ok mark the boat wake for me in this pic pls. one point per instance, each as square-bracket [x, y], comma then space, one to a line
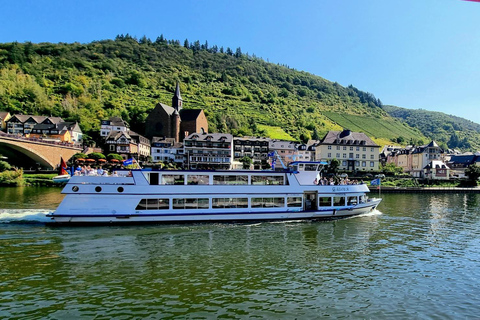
[24, 216]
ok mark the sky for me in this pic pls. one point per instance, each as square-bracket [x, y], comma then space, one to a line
[418, 54]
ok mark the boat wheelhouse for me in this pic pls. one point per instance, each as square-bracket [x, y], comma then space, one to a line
[194, 196]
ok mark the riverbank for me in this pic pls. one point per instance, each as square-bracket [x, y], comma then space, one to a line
[424, 190]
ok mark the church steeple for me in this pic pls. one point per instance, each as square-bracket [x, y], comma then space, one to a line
[177, 99]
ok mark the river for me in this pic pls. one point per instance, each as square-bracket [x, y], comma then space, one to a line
[415, 258]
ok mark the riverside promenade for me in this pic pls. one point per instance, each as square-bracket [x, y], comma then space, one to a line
[375, 189]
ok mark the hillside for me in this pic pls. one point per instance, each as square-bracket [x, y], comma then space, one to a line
[446, 129]
[240, 93]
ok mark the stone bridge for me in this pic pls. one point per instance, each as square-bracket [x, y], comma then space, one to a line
[47, 154]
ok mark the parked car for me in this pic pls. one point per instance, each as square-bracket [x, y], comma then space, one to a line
[381, 175]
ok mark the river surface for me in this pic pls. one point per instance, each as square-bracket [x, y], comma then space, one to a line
[416, 258]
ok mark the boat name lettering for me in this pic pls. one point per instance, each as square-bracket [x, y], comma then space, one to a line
[339, 189]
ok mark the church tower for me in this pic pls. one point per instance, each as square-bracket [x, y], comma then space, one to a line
[177, 99]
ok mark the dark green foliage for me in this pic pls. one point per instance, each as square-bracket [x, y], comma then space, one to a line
[246, 162]
[96, 156]
[4, 166]
[473, 173]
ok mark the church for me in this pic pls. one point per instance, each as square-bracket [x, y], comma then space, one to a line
[175, 122]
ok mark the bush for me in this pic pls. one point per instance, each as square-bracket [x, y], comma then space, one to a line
[4, 166]
[11, 178]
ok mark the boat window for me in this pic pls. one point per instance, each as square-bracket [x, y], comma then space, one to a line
[232, 180]
[268, 202]
[351, 201]
[173, 179]
[229, 203]
[267, 180]
[338, 201]
[311, 167]
[294, 201]
[363, 199]
[153, 204]
[197, 179]
[325, 201]
[191, 203]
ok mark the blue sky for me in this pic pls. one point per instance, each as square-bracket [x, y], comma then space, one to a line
[409, 53]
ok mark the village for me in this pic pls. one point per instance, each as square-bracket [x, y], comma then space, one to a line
[180, 138]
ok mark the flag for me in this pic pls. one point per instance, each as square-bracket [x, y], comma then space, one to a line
[128, 162]
[273, 163]
[376, 182]
[63, 167]
[271, 154]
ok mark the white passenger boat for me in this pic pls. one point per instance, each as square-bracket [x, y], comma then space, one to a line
[194, 196]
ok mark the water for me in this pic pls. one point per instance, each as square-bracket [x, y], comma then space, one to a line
[416, 258]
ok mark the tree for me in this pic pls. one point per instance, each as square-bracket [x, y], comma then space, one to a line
[473, 173]
[96, 156]
[4, 166]
[186, 44]
[333, 166]
[115, 156]
[246, 162]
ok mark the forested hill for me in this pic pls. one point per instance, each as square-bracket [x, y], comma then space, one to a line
[455, 131]
[240, 93]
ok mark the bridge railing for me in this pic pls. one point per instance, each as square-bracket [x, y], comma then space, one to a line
[58, 143]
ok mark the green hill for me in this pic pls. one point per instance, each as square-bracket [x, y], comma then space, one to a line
[446, 129]
[240, 93]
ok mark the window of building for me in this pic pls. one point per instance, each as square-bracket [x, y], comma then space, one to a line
[344, 148]
[364, 156]
[329, 147]
[372, 163]
[344, 155]
[357, 156]
[372, 156]
[364, 163]
[329, 155]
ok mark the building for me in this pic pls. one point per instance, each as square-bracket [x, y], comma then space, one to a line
[175, 122]
[21, 124]
[436, 170]
[306, 151]
[286, 150]
[112, 124]
[68, 132]
[167, 150]
[143, 146]
[4, 117]
[414, 159]
[355, 150]
[459, 162]
[254, 148]
[122, 143]
[209, 151]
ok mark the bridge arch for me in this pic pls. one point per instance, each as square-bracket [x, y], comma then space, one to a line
[46, 154]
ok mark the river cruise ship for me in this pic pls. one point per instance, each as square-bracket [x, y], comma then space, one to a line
[145, 196]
